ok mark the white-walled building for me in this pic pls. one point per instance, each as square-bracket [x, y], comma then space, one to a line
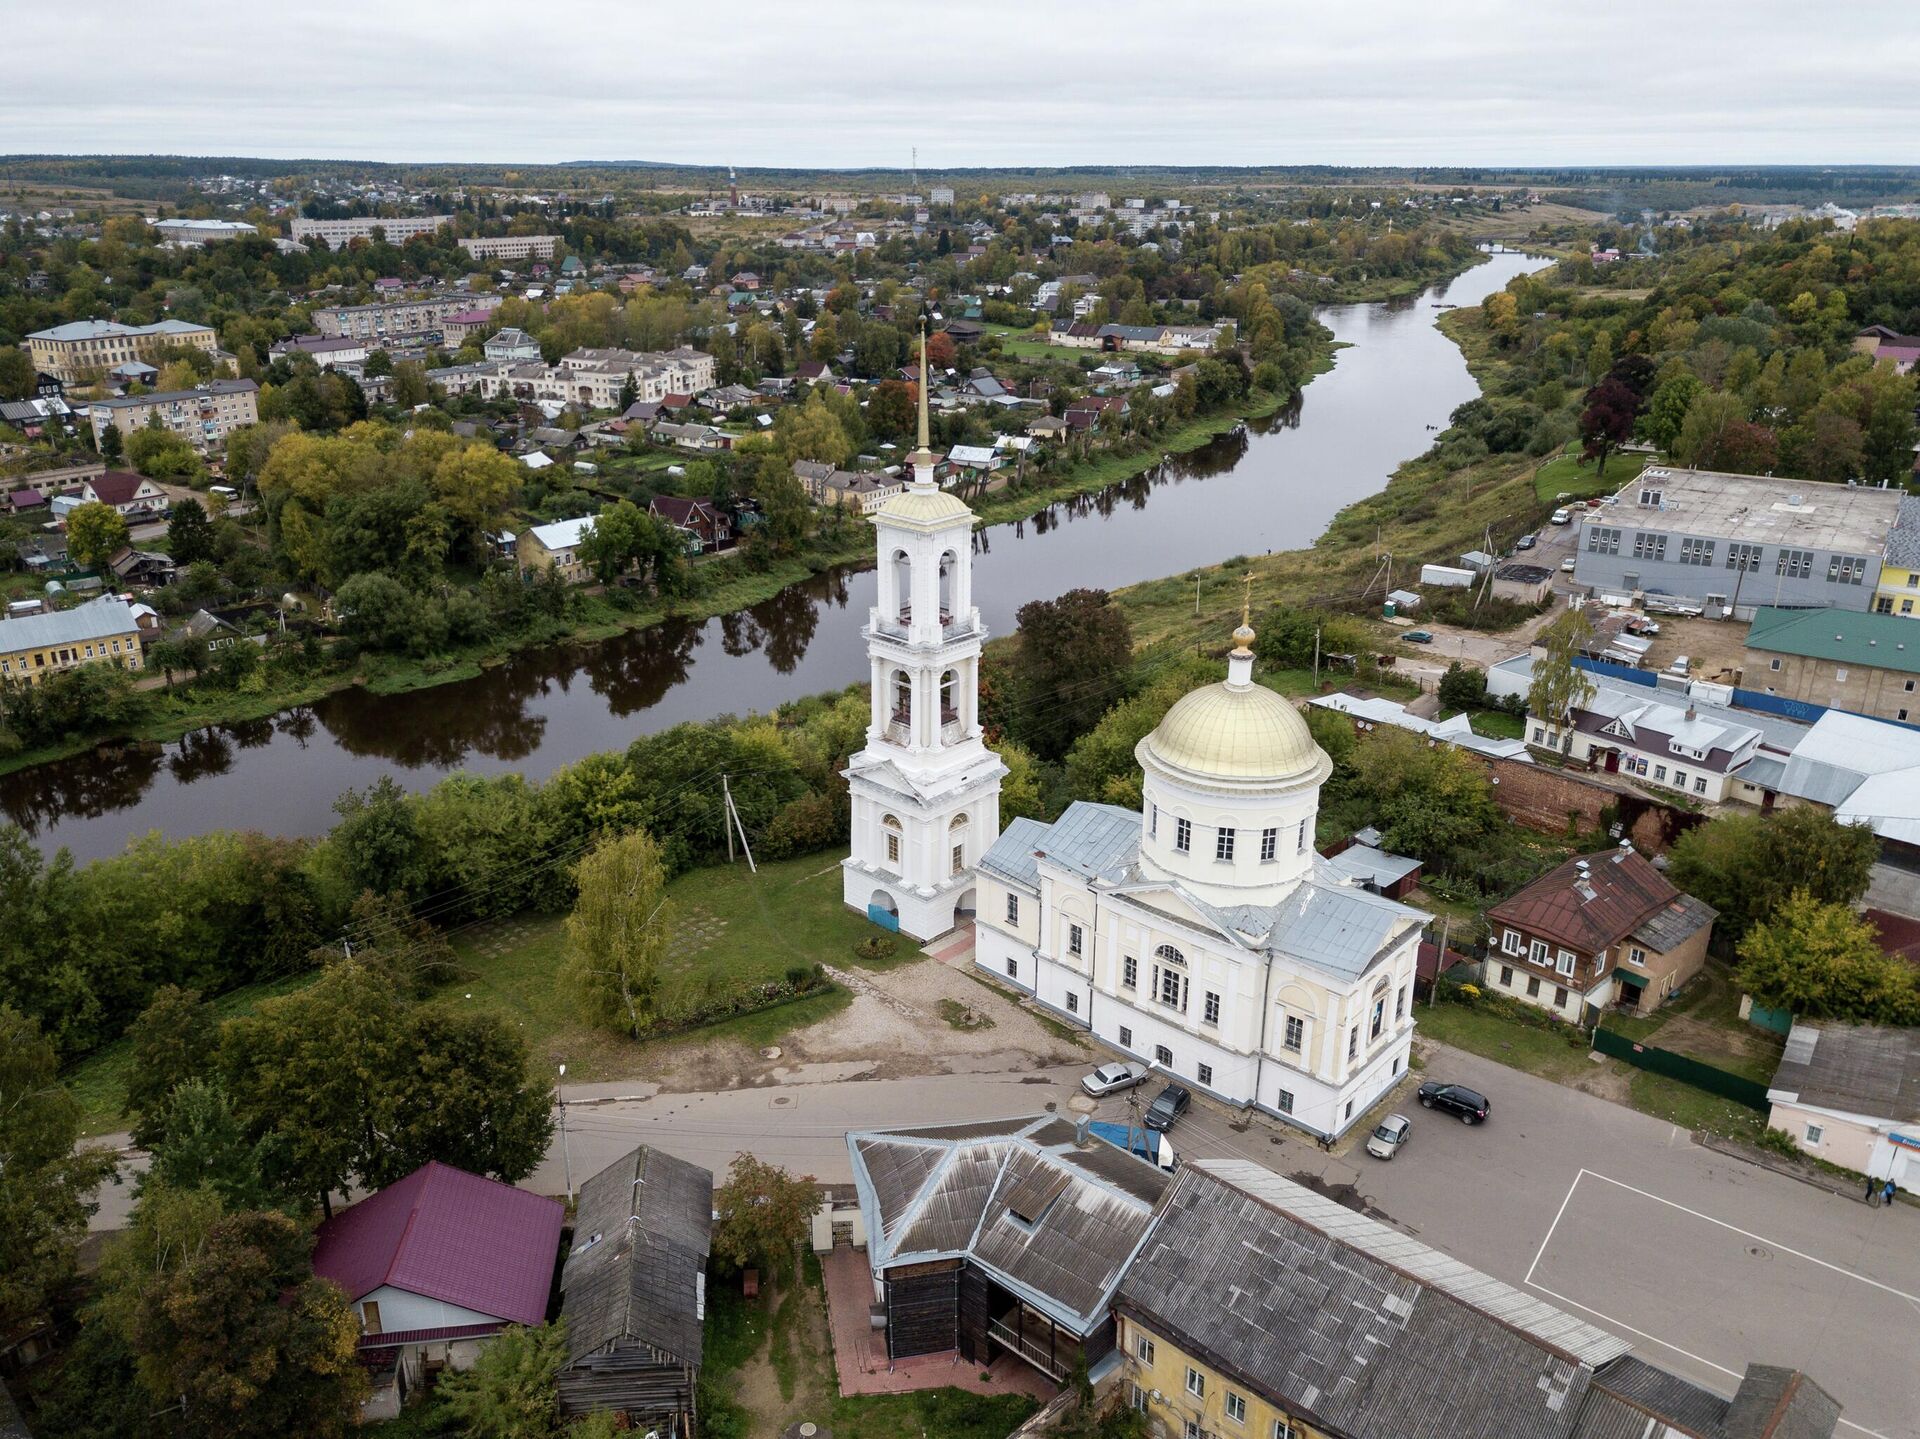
[925, 788]
[1205, 935]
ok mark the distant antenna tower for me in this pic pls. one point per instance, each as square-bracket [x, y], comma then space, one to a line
[914, 183]
[733, 188]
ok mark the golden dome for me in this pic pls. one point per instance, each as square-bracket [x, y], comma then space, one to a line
[924, 507]
[1239, 732]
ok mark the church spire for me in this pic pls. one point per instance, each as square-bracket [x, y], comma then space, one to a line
[1240, 657]
[922, 458]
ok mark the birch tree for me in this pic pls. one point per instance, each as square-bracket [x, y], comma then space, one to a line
[618, 933]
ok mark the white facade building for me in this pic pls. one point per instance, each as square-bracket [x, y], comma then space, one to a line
[925, 789]
[398, 229]
[1206, 936]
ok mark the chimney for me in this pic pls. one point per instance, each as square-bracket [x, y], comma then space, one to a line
[1690, 712]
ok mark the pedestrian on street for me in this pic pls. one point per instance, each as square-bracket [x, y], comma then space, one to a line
[1886, 1195]
[1873, 1188]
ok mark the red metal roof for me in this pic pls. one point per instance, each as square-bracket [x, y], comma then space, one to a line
[116, 487]
[1591, 908]
[449, 1235]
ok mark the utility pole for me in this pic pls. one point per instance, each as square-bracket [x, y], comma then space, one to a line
[1316, 657]
[566, 1154]
[733, 816]
[1439, 962]
[726, 801]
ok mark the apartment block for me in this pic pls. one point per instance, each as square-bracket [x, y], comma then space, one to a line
[421, 318]
[83, 349]
[397, 228]
[204, 417]
[511, 247]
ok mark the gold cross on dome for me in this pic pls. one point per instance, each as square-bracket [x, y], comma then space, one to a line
[1246, 599]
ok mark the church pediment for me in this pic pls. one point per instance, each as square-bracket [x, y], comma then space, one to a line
[1171, 902]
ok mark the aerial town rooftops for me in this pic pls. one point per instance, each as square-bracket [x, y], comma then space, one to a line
[1754, 508]
[111, 329]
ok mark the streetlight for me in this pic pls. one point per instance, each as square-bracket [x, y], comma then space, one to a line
[566, 1155]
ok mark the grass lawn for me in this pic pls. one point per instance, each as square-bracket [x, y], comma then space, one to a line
[1482, 1031]
[1492, 724]
[1692, 1108]
[1568, 474]
[733, 925]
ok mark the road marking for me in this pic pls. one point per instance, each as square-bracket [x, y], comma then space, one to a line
[1675, 1348]
[1561, 1214]
[1746, 1234]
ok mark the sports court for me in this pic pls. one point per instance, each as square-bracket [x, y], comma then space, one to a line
[1705, 1295]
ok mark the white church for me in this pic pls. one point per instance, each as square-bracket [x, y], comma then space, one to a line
[1204, 936]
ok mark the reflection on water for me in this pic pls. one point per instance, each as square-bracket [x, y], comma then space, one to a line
[1273, 484]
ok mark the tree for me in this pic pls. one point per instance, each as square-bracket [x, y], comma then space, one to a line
[247, 1341]
[510, 1393]
[160, 454]
[890, 410]
[1074, 657]
[1821, 960]
[112, 444]
[1430, 801]
[1746, 865]
[17, 375]
[377, 610]
[172, 1041]
[1607, 421]
[190, 533]
[204, 1146]
[619, 535]
[1020, 792]
[1559, 686]
[1667, 411]
[763, 1214]
[619, 932]
[1463, 687]
[46, 1186]
[378, 363]
[95, 532]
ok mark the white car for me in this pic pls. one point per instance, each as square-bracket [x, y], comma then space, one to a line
[1562, 517]
[1388, 1135]
[1566, 565]
[1112, 1078]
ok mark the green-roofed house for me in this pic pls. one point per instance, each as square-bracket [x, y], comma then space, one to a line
[1868, 664]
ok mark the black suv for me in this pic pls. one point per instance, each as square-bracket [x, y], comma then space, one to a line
[1168, 1105]
[1471, 1105]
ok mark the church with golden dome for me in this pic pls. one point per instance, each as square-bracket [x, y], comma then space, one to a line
[1204, 935]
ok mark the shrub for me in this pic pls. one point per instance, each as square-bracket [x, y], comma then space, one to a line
[1780, 1142]
[876, 947]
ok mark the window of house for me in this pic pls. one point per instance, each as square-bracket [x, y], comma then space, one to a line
[1013, 969]
[1192, 1430]
[1270, 842]
[1559, 996]
[1814, 1132]
[1129, 972]
[1223, 844]
[1699, 784]
[1183, 835]
[1300, 844]
[1533, 986]
[1013, 909]
[1283, 1101]
[1660, 773]
[1510, 941]
[1506, 976]
[1400, 1004]
[1537, 952]
[959, 859]
[370, 1316]
[1282, 1430]
[1567, 959]
[1680, 779]
[1076, 939]
[1774, 665]
[1353, 1042]
[1907, 688]
[1126, 1037]
[1073, 1002]
[1901, 715]
[1236, 1407]
[1163, 1056]
[1296, 1033]
[1210, 1009]
[1378, 1021]
[1137, 1398]
[1539, 735]
[1143, 1347]
[1205, 1074]
[1349, 1109]
[1840, 674]
[1636, 955]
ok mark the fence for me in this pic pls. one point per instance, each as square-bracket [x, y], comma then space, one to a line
[1736, 1087]
[1618, 672]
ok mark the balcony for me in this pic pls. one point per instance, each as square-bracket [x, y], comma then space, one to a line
[1036, 1339]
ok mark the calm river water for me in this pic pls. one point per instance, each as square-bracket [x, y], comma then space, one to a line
[1274, 488]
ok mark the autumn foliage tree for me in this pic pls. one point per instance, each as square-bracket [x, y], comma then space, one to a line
[763, 1215]
[1608, 419]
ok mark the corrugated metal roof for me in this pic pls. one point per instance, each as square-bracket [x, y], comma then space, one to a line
[1011, 855]
[1847, 637]
[1095, 840]
[1654, 1391]
[95, 620]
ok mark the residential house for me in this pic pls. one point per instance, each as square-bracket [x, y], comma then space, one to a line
[1899, 589]
[813, 476]
[1842, 659]
[203, 416]
[1362, 863]
[1048, 428]
[421, 319]
[434, 1266]
[1369, 711]
[465, 325]
[124, 491]
[809, 372]
[633, 1293]
[340, 352]
[146, 568]
[708, 528]
[102, 630]
[33, 418]
[1262, 1309]
[1599, 931]
[1003, 1237]
[554, 547]
[1203, 934]
[1850, 1094]
[967, 463]
[511, 345]
[1888, 345]
[1095, 412]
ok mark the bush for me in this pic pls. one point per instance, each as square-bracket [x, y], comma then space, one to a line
[876, 947]
[1780, 1142]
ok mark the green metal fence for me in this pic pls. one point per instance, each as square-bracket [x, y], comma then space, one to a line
[1736, 1087]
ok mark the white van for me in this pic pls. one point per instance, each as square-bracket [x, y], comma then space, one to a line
[1562, 517]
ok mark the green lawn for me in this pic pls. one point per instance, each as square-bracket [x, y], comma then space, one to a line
[1568, 474]
[1556, 1054]
[1492, 724]
[733, 924]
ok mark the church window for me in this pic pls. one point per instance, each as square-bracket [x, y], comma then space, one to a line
[959, 859]
[1300, 845]
[902, 697]
[1169, 983]
[1269, 845]
[1211, 1010]
[1379, 1019]
[1013, 909]
[1182, 835]
[1223, 845]
[1153, 821]
[1163, 1056]
[891, 827]
[1353, 1043]
[1076, 939]
[949, 700]
[1130, 972]
[1296, 1033]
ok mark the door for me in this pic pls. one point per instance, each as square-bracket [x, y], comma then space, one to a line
[1613, 761]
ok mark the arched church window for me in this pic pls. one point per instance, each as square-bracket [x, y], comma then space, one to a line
[1169, 978]
[891, 828]
[902, 697]
[949, 582]
[949, 696]
[903, 585]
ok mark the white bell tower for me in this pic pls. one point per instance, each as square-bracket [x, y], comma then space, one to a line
[925, 789]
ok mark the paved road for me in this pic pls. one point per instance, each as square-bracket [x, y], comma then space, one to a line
[1704, 1262]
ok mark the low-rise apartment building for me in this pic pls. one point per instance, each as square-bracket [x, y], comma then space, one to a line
[327, 353]
[593, 378]
[100, 631]
[1601, 930]
[421, 318]
[202, 232]
[554, 547]
[1732, 543]
[85, 349]
[398, 229]
[204, 417]
[511, 247]
[1865, 663]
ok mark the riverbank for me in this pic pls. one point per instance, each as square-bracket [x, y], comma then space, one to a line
[729, 586]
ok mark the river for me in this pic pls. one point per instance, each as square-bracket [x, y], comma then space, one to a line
[1273, 487]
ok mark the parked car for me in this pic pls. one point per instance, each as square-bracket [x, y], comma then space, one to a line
[1388, 1135]
[1566, 565]
[1168, 1105]
[1526, 542]
[1469, 1104]
[1112, 1078]
[1563, 516]
[1418, 637]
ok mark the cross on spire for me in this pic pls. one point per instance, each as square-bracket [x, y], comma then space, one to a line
[922, 457]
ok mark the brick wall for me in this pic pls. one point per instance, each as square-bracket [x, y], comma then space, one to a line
[1542, 797]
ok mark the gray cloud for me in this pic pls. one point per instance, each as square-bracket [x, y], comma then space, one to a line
[1039, 82]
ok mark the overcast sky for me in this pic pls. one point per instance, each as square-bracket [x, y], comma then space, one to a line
[1038, 82]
